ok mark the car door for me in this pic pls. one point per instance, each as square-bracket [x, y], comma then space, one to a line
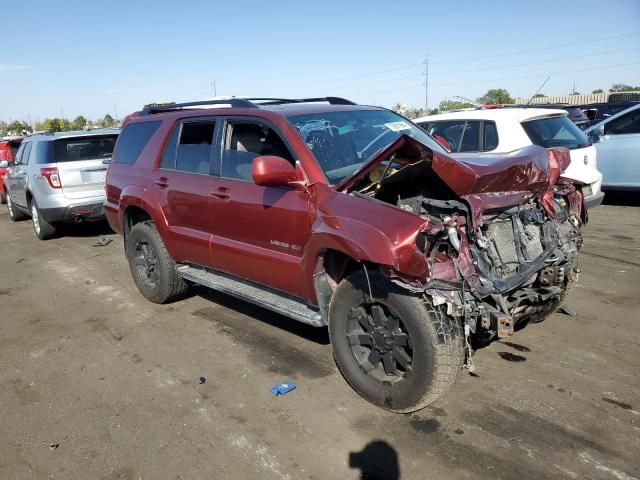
[260, 232]
[618, 148]
[182, 186]
[19, 176]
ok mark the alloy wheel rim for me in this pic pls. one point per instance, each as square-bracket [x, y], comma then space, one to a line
[380, 343]
[146, 263]
[9, 206]
[36, 219]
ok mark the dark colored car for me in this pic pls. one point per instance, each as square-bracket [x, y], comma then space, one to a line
[8, 150]
[350, 216]
[597, 112]
[576, 115]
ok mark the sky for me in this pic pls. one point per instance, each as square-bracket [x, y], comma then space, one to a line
[91, 58]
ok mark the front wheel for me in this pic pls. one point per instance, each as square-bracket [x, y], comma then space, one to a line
[394, 348]
[14, 215]
[153, 269]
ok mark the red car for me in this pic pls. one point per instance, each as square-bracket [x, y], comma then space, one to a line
[350, 216]
[8, 149]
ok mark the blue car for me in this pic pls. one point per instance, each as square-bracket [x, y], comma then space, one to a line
[617, 140]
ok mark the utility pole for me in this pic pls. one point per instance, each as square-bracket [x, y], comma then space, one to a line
[115, 108]
[215, 90]
[426, 84]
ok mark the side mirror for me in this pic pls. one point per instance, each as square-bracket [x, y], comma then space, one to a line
[272, 171]
[4, 164]
[596, 134]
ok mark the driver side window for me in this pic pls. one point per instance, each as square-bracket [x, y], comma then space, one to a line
[246, 140]
[629, 123]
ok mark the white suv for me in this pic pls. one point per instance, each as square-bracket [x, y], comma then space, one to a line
[503, 130]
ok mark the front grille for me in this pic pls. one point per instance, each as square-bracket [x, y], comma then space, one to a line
[501, 237]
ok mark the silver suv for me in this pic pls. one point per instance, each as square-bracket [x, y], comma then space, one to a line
[59, 177]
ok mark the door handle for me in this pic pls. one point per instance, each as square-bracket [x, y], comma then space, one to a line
[223, 193]
[162, 182]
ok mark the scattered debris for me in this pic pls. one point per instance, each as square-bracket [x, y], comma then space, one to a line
[20, 260]
[102, 241]
[202, 380]
[54, 446]
[282, 388]
[567, 310]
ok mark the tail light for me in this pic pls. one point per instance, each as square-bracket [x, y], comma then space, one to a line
[52, 176]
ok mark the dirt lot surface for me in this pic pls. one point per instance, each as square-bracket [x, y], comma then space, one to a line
[99, 383]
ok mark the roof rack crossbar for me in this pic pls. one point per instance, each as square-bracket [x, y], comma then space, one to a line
[233, 102]
[283, 101]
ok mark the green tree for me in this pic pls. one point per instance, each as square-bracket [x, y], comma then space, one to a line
[599, 90]
[496, 95]
[108, 121]
[575, 93]
[446, 105]
[539, 95]
[622, 87]
[79, 123]
[16, 127]
[53, 124]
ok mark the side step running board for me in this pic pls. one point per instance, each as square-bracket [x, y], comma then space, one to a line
[257, 294]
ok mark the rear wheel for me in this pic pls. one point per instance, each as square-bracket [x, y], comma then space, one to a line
[3, 198]
[14, 215]
[41, 228]
[395, 349]
[153, 269]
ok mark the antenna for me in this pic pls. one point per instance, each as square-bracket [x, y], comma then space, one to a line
[426, 84]
[475, 104]
[538, 91]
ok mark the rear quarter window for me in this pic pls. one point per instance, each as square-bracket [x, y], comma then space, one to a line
[132, 141]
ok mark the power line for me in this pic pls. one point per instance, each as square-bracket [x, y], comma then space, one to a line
[406, 67]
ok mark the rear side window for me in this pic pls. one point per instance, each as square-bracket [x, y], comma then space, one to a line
[490, 138]
[449, 130]
[189, 148]
[132, 141]
[471, 137]
[84, 148]
[555, 132]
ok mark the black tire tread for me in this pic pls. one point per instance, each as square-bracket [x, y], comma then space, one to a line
[175, 286]
[47, 230]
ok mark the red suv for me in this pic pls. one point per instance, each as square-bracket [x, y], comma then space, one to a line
[8, 150]
[350, 216]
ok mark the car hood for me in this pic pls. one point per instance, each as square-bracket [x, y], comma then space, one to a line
[523, 170]
[485, 182]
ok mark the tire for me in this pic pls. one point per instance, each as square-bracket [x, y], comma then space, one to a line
[42, 229]
[414, 329]
[3, 198]
[14, 215]
[153, 269]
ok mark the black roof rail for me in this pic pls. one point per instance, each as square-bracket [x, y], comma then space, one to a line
[165, 107]
[284, 101]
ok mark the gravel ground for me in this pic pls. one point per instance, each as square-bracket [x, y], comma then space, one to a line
[99, 383]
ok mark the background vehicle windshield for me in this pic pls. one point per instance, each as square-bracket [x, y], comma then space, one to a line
[555, 132]
[342, 141]
[84, 148]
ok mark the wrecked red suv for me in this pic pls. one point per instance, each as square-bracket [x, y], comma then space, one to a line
[350, 216]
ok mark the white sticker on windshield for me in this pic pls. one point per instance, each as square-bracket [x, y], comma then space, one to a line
[397, 126]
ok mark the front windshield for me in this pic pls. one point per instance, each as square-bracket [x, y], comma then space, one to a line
[342, 141]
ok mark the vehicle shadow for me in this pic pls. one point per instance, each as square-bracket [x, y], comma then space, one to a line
[376, 461]
[88, 229]
[627, 199]
[308, 332]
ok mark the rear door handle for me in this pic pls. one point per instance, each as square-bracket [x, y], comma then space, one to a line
[222, 193]
[162, 182]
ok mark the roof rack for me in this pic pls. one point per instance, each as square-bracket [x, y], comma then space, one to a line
[165, 107]
[235, 102]
[284, 101]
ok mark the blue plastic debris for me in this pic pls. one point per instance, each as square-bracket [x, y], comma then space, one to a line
[282, 388]
[202, 380]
